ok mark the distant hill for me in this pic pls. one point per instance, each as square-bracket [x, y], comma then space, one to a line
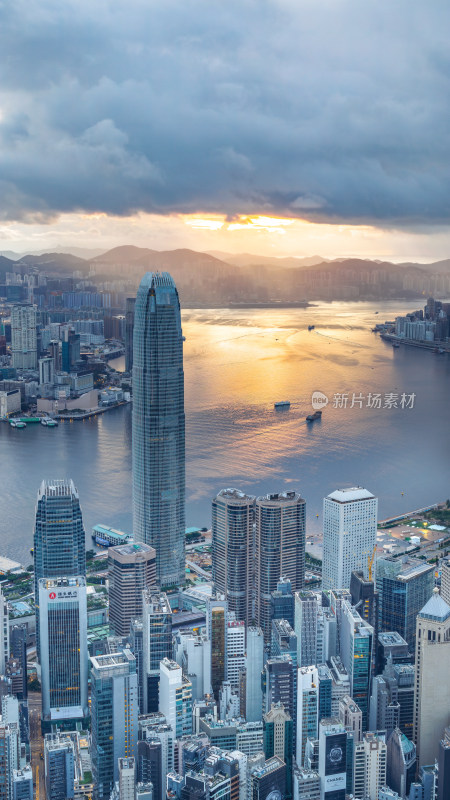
[56, 262]
[251, 259]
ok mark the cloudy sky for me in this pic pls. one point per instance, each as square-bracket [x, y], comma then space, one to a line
[290, 126]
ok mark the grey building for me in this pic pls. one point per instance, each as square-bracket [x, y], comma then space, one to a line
[131, 569]
[233, 514]
[59, 764]
[280, 550]
[158, 452]
[157, 643]
[404, 585]
[22, 784]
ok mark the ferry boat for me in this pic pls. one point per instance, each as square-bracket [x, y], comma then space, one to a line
[311, 327]
[283, 404]
[313, 417]
[17, 423]
[49, 422]
[395, 344]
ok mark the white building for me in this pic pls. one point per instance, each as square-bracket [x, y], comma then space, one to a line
[175, 697]
[349, 535]
[369, 766]
[23, 336]
[193, 654]
[10, 402]
[235, 649]
[253, 665]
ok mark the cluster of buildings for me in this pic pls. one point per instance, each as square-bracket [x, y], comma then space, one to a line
[428, 325]
[250, 687]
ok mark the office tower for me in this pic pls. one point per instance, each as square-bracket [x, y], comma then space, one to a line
[404, 585]
[4, 633]
[284, 640]
[401, 762]
[392, 645]
[384, 707]
[114, 722]
[278, 740]
[307, 609]
[306, 784]
[307, 709]
[14, 671]
[175, 697]
[268, 782]
[233, 515]
[9, 756]
[129, 327]
[400, 678]
[351, 717]
[235, 648]
[127, 778]
[280, 549]
[152, 727]
[340, 684]
[22, 783]
[149, 765]
[444, 766]
[349, 535]
[356, 641]
[193, 653]
[250, 737]
[18, 647]
[23, 336]
[157, 643]
[59, 542]
[158, 426]
[365, 600]
[216, 631]
[278, 682]
[432, 686]
[70, 350]
[131, 569]
[137, 648]
[229, 701]
[59, 764]
[46, 371]
[370, 766]
[64, 655]
[282, 602]
[253, 668]
[325, 690]
[332, 759]
[55, 354]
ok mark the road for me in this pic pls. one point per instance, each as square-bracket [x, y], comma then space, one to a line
[37, 743]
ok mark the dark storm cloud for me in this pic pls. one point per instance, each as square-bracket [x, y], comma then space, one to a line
[324, 109]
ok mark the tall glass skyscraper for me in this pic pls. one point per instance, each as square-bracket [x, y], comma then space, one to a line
[59, 543]
[158, 426]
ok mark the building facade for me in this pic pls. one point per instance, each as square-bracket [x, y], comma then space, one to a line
[131, 569]
[23, 336]
[349, 535]
[158, 451]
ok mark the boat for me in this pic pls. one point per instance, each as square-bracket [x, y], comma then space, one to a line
[311, 327]
[17, 423]
[49, 422]
[283, 404]
[395, 344]
[313, 417]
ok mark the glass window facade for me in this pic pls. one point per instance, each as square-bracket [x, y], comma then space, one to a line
[159, 426]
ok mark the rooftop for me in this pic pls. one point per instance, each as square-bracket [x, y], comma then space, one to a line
[236, 495]
[436, 608]
[350, 495]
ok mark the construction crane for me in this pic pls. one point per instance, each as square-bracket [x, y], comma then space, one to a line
[370, 560]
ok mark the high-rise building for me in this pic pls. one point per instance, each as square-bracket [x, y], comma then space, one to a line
[401, 762]
[114, 709]
[307, 709]
[159, 426]
[306, 784]
[59, 542]
[23, 336]
[392, 645]
[175, 697]
[278, 680]
[233, 514]
[131, 569]
[22, 783]
[282, 602]
[216, 631]
[356, 642]
[149, 765]
[349, 535]
[59, 764]
[46, 371]
[280, 550]
[157, 643]
[4, 633]
[127, 778]
[253, 668]
[332, 759]
[351, 717]
[70, 349]
[432, 687]
[444, 766]
[370, 766]
[193, 653]
[269, 782]
[18, 647]
[129, 327]
[64, 655]
[278, 740]
[365, 600]
[235, 650]
[9, 757]
[384, 707]
[404, 585]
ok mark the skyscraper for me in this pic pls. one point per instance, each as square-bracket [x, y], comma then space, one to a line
[158, 426]
[156, 643]
[59, 543]
[175, 697]
[404, 585]
[23, 336]
[356, 642]
[64, 656]
[280, 549]
[233, 515]
[131, 569]
[129, 326]
[349, 535]
[114, 706]
[59, 763]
